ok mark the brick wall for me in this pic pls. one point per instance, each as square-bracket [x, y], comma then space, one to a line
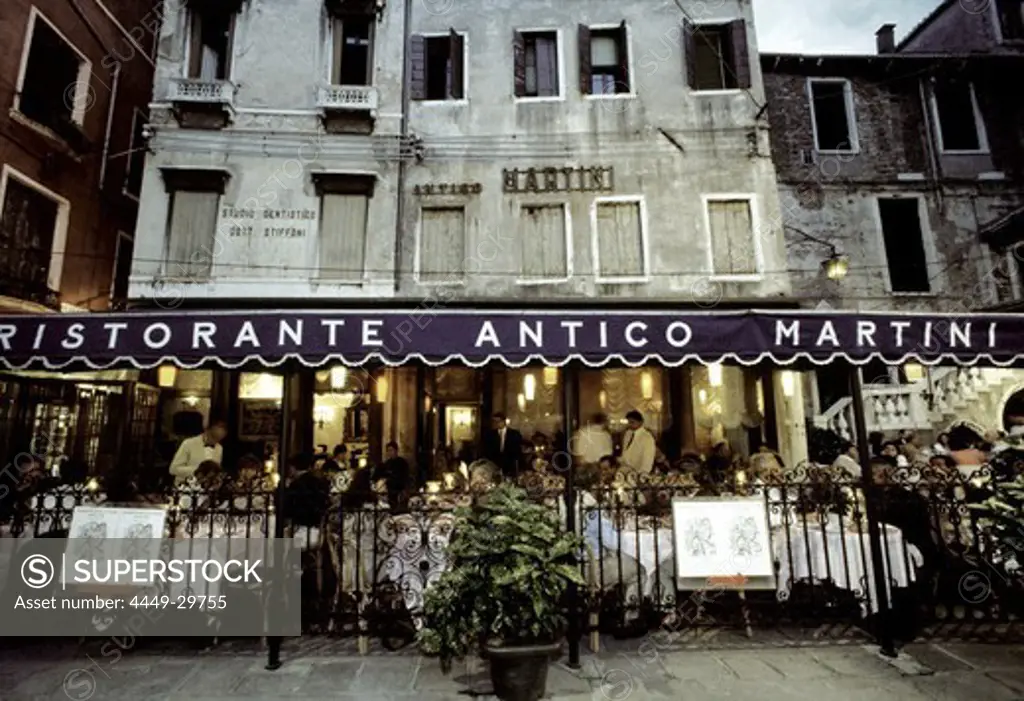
[94, 216]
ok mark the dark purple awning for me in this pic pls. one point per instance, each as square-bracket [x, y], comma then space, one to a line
[475, 337]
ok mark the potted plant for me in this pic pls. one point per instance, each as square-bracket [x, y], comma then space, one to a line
[502, 596]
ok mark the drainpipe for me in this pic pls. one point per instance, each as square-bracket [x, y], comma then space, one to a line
[403, 137]
[110, 124]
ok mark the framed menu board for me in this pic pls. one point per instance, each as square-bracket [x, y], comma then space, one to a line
[259, 419]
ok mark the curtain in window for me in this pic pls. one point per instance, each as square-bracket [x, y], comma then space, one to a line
[620, 247]
[343, 237]
[542, 243]
[732, 238]
[442, 245]
[190, 246]
[547, 67]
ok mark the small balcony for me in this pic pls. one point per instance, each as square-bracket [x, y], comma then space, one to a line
[347, 109]
[347, 98]
[201, 103]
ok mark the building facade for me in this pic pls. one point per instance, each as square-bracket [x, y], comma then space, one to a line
[75, 89]
[910, 164]
[338, 153]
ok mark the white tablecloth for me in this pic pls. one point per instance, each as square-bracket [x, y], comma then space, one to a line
[651, 548]
[843, 555]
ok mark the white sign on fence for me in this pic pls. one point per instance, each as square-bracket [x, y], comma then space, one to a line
[723, 539]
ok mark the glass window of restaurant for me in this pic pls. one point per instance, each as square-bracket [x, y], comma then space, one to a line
[341, 411]
[614, 392]
[728, 405]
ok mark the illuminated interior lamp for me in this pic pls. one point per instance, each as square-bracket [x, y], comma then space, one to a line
[550, 377]
[646, 384]
[521, 402]
[339, 377]
[382, 389]
[166, 376]
[530, 387]
[715, 374]
[914, 372]
[788, 383]
[602, 399]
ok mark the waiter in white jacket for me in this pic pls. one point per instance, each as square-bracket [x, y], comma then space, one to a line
[199, 449]
[638, 446]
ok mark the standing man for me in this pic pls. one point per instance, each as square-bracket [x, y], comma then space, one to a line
[638, 446]
[194, 451]
[593, 441]
[503, 446]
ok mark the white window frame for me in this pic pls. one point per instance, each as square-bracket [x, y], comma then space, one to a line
[998, 26]
[187, 50]
[979, 125]
[715, 23]
[927, 243]
[755, 233]
[464, 100]
[136, 113]
[84, 70]
[60, 226]
[631, 95]
[419, 237]
[329, 51]
[560, 52]
[851, 115]
[567, 214]
[595, 244]
[121, 236]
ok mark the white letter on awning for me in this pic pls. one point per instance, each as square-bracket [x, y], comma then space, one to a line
[332, 329]
[959, 333]
[7, 332]
[670, 334]
[828, 333]
[487, 335]
[247, 334]
[535, 334]
[203, 331]
[571, 327]
[636, 326]
[866, 333]
[782, 331]
[147, 335]
[292, 332]
[900, 327]
[371, 332]
[114, 328]
[74, 337]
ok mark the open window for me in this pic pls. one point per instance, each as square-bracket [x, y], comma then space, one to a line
[832, 115]
[535, 58]
[604, 60]
[53, 87]
[903, 237]
[352, 49]
[438, 67]
[211, 31]
[716, 56]
[955, 108]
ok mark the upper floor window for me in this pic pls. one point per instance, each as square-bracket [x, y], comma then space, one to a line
[344, 210]
[209, 45]
[351, 46]
[620, 240]
[604, 60]
[136, 160]
[29, 232]
[717, 56]
[193, 200]
[903, 238]
[545, 244]
[1011, 19]
[835, 127]
[535, 58]
[730, 223]
[53, 85]
[955, 109]
[438, 67]
[441, 248]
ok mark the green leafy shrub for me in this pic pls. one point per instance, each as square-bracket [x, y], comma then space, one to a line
[511, 563]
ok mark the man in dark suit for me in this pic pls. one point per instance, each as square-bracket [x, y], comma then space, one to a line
[503, 445]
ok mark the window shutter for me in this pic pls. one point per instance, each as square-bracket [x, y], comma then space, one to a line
[519, 63]
[343, 237]
[623, 42]
[690, 53]
[417, 67]
[457, 57]
[740, 55]
[584, 51]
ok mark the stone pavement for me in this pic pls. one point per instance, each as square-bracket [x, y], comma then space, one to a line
[637, 672]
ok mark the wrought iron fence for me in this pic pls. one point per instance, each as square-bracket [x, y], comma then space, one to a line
[368, 559]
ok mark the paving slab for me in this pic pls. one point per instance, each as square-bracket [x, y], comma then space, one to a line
[329, 678]
[377, 673]
[775, 664]
[1013, 678]
[286, 681]
[984, 656]
[964, 685]
[852, 661]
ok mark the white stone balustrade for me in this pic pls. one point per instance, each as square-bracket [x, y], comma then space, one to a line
[347, 97]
